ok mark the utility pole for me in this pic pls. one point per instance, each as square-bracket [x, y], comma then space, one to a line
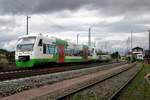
[106, 46]
[77, 38]
[149, 42]
[27, 23]
[127, 44]
[94, 43]
[89, 36]
[149, 47]
[131, 40]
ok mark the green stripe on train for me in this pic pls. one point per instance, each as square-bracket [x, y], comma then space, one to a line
[73, 60]
[31, 62]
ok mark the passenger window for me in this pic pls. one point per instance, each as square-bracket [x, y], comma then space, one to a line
[48, 49]
[40, 42]
[51, 49]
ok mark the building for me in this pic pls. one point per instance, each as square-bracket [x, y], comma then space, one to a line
[138, 52]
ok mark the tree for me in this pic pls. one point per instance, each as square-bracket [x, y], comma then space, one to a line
[115, 55]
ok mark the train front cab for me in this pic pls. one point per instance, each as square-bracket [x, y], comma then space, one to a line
[24, 51]
[42, 52]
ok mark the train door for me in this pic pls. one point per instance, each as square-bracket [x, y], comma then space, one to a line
[61, 54]
[85, 54]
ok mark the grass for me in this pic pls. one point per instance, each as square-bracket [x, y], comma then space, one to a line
[138, 89]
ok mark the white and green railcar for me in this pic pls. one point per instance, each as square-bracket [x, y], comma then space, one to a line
[32, 50]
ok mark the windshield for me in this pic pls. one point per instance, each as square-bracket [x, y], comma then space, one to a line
[25, 47]
[25, 44]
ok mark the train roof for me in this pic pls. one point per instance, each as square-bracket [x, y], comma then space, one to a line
[27, 36]
[58, 40]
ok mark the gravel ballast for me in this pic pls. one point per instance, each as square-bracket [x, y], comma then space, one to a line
[66, 87]
[104, 89]
[14, 86]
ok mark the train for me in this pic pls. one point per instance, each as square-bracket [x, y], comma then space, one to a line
[34, 50]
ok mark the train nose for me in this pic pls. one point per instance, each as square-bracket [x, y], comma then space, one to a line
[24, 58]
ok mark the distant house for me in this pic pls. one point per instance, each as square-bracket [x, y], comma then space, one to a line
[138, 52]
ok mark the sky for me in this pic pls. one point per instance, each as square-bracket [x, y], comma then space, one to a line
[111, 21]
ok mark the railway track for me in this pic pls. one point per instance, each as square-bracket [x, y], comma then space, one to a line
[14, 86]
[60, 90]
[53, 69]
[114, 95]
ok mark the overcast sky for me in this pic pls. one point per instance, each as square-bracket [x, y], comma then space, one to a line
[111, 21]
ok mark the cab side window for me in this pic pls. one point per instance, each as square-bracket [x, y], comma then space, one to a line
[44, 48]
[40, 42]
